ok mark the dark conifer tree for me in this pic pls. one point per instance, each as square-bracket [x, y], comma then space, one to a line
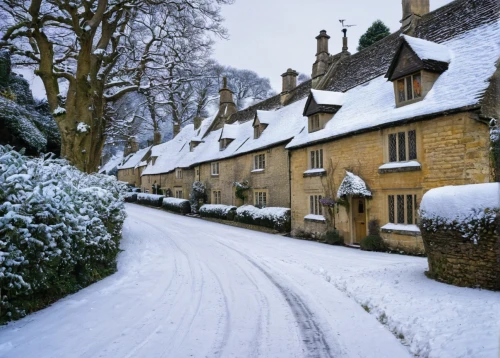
[376, 32]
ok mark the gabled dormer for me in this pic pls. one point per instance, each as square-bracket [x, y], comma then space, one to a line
[193, 144]
[415, 68]
[320, 107]
[260, 123]
[228, 134]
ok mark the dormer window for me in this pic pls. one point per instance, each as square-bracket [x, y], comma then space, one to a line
[415, 68]
[260, 122]
[193, 144]
[223, 143]
[320, 107]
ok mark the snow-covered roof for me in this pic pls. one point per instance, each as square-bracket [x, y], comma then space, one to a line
[328, 97]
[427, 50]
[112, 163]
[460, 202]
[353, 185]
[230, 131]
[265, 117]
[372, 104]
[134, 159]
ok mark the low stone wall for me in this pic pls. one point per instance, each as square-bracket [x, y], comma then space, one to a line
[461, 262]
[404, 243]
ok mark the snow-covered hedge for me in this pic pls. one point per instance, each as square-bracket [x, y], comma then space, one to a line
[131, 197]
[468, 209]
[59, 230]
[181, 206]
[218, 211]
[274, 218]
[150, 199]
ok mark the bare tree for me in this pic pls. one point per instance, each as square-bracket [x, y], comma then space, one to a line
[80, 51]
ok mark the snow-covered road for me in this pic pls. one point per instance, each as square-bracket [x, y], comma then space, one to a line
[192, 288]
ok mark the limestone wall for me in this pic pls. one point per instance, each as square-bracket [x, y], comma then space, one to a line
[130, 176]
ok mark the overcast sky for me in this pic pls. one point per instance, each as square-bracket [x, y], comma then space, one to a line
[269, 36]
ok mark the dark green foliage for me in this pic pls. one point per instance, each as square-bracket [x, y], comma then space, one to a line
[182, 208]
[259, 217]
[373, 243]
[221, 212]
[373, 227]
[22, 90]
[5, 69]
[376, 32]
[131, 197]
[333, 237]
[150, 200]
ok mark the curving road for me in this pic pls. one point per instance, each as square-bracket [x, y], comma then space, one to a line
[191, 288]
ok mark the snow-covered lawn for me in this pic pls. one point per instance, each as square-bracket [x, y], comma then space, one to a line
[192, 288]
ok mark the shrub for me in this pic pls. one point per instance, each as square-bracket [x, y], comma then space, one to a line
[59, 229]
[218, 211]
[131, 197]
[197, 194]
[181, 206]
[150, 199]
[373, 243]
[333, 237]
[275, 218]
[373, 227]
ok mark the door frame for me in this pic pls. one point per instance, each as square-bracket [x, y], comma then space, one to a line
[352, 216]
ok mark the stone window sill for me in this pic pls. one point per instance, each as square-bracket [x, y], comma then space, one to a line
[315, 218]
[314, 173]
[399, 167]
[257, 171]
[401, 229]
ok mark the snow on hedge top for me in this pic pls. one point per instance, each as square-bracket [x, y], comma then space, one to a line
[146, 196]
[373, 104]
[459, 203]
[275, 213]
[135, 159]
[328, 97]
[353, 185]
[219, 208]
[427, 50]
[174, 201]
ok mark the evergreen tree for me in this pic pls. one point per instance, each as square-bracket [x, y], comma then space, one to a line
[375, 33]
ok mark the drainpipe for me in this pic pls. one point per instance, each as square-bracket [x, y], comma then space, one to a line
[290, 184]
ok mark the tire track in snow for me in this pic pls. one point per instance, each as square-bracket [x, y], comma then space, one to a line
[313, 337]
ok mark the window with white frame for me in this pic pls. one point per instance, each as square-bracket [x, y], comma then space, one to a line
[215, 168]
[315, 205]
[316, 159]
[259, 162]
[402, 209]
[178, 173]
[178, 194]
[216, 197]
[402, 146]
[260, 198]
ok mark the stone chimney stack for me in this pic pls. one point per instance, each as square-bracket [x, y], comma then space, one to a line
[413, 9]
[156, 138]
[177, 129]
[132, 146]
[321, 65]
[289, 80]
[227, 107]
[197, 122]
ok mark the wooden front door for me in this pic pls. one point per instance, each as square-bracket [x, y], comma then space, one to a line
[359, 218]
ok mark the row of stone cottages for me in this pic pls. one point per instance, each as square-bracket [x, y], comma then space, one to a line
[373, 131]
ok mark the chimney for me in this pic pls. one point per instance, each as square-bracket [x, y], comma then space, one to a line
[177, 129]
[321, 64]
[197, 122]
[226, 106]
[156, 138]
[413, 9]
[289, 80]
[132, 146]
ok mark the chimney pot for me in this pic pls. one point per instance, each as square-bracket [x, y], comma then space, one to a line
[197, 122]
[322, 55]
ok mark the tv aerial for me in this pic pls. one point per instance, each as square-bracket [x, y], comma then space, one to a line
[342, 22]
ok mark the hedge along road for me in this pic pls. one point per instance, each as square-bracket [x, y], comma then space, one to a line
[192, 288]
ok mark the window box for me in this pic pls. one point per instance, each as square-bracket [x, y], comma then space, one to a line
[401, 229]
[315, 173]
[399, 167]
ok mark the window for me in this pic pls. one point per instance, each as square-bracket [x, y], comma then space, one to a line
[260, 199]
[402, 209]
[178, 194]
[259, 161]
[409, 87]
[216, 197]
[314, 205]
[316, 159]
[314, 123]
[256, 132]
[402, 146]
[178, 173]
[223, 143]
[215, 168]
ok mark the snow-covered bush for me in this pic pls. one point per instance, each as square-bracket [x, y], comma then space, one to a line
[218, 211]
[59, 230]
[130, 197]
[197, 194]
[274, 218]
[181, 206]
[150, 199]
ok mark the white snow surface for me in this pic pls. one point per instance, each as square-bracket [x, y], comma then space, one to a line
[217, 208]
[428, 50]
[82, 127]
[460, 202]
[328, 97]
[134, 160]
[314, 171]
[352, 185]
[113, 162]
[315, 217]
[393, 165]
[401, 227]
[373, 104]
[175, 201]
[192, 288]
